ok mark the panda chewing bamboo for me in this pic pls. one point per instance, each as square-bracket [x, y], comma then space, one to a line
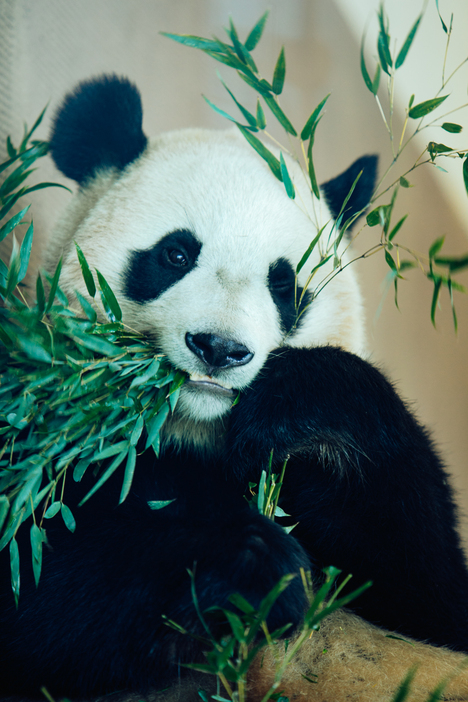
[200, 244]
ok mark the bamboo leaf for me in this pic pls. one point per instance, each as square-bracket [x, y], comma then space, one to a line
[256, 33]
[260, 119]
[288, 184]
[465, 173]
[109, 297]
[424, 108]
[311, 168]
[68, 518]
[435, 297]
[313, 119]
[279, 114]
[262, 151]
[248, 115]
[444, 26]
[86, 272]
[25, 252]
[193, 41]
[279, 73]
[15, 569]
[407, 45]
[12, 223]
[452, 127]
[128, 475]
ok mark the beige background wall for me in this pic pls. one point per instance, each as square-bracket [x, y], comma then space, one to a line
[48, 45]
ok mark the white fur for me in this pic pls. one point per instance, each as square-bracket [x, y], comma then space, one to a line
[215, 185]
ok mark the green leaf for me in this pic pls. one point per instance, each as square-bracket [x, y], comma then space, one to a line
[219, 110]
[36, 537]
[4, 509]
[12, 223]
[272, 161]
[241, 603]
[129, 471]
[436, 246]
[279, 114]
[248, 115]
[424, 108]
[193, 41]
[25, 252]
[465, 173]
[397, 228]
[159, 504]
[279, 73]
[454, 264]
[444, 26]
[313, 119]
[310, 248]
[390, 262]
[109, 297]
[10, 148]
[105, 476]
[435, 297]
[86, 272]
[383, 45]
[407, 45]
[53, 510]
[372, 85]
[405, 183]
[95, 343]
[256, 33]
[68, 518]
[15, 569]
[53, 286]
[288, 184]
[240, 49]
[310, 164]
[155, 426]
[260, 86]
[260, 119]
[452, 127]
[33, 349]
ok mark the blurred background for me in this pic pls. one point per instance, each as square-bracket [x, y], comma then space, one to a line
[47, 46]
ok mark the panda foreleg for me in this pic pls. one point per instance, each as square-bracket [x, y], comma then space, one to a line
[365, 484]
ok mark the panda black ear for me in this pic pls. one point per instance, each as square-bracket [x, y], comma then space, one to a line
[98, 125]
[337, 189]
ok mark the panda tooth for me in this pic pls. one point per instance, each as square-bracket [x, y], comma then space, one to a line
[196, 377]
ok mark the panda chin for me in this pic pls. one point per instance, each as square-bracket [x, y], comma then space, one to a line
[204, 399]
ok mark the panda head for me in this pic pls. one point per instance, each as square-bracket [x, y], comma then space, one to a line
[199, 242]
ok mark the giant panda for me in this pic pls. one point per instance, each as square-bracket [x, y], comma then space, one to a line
[200, 242]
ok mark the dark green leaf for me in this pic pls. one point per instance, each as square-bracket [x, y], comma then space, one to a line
[261, 121]
[256, 33]
[109, 297]
[396, 228]
[33, 349]
[436, 246]
[452, 127]
[279, 73]
[4, 509]
[424, 108]
[240, 49]
[454, 264]
[383, 42]
[129, 471]
[25, 252]
[87, 308]
[405, 183]
[262, 151]
[15, 569]
[10, 148]
[95, 343]
[85, 270]
[36, 548]
[406, 46]
[53, 287]
[53, 510]
[372, 85]
[12, 223]
[193, 41]
[435, 297]
[247, 115]
[105, 476]
[390, 262]
[241, 603]
[40, 295]
[41, 186]
[465, 173]
[68, 518]
[159, 504]
[155, 425]
[288, 184]
[260, 86]
[444, 26]
[279, 114]
[310, 248]
[310, 165]
[313, 119]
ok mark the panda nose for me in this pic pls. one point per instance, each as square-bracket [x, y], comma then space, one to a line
[217, 352]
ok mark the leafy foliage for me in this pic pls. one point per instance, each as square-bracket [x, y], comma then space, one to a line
[399, 258]
[75, 393]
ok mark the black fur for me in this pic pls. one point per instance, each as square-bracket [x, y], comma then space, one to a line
[281, 283]
[363, 480]
[337, 189]
[98, 126]
[151, 272]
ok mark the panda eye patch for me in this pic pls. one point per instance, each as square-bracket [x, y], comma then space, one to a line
[150, 272]
[281, 284]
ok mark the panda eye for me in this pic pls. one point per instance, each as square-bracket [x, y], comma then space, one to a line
[176, 257]
[282, 287]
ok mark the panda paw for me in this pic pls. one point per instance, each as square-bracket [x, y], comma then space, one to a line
[255, 558]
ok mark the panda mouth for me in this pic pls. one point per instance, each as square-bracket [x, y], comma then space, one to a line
[209, 384]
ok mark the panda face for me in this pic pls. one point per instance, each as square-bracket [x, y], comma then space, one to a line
[200, 242]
